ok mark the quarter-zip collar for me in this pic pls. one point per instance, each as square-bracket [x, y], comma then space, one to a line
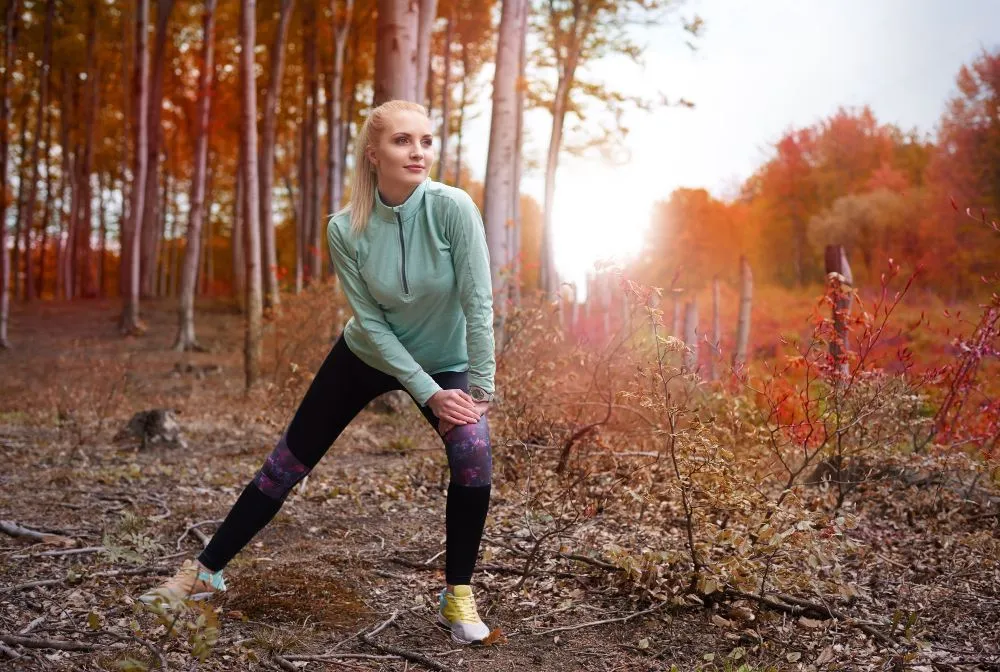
[406, 210]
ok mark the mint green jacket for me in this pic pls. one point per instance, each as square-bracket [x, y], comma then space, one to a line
[418, 281]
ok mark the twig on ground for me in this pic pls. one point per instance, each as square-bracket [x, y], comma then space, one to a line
[9, 652]
[384, 625]
[194, 527]
[32, 643]
[433, 557]
[68, 551]
[31, 626]
[409, 655]
[602, 622]
[159, 501]
[13, 529]
[146, 569]
[330, 657]
[283, 664]
[802, 607]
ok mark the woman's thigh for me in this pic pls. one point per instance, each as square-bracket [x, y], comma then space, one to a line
[341, 388]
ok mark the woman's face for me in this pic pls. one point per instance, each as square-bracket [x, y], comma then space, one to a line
[403, 154]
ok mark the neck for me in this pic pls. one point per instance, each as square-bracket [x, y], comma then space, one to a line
[395, 194]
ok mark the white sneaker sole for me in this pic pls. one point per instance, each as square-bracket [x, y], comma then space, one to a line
[444, 623]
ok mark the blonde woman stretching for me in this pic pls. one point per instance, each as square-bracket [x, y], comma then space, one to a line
[412, 259]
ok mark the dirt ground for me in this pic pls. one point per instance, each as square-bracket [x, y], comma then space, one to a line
[361, 542]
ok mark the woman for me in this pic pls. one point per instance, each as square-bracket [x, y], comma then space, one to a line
[412, 258]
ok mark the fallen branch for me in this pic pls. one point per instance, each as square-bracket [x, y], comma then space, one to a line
[69, 551]
[283, 664]
[409, 655]
[332, 657]
[32, 643]
[15, 530]
[107, 573]
[620, 619]
[194, 527]
[31, 626]
[9, 652]
[801, 607]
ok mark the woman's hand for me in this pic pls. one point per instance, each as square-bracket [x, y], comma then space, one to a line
[454, 406]
[445, 426]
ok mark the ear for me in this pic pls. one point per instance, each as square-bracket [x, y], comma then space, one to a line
[371, 155]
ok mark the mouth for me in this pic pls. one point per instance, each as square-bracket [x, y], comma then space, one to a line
[415, 168]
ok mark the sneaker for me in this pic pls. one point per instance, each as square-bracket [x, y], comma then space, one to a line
[457, 611]
[191, 582]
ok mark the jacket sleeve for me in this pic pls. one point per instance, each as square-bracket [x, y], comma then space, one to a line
[471, 258]
[369, 316]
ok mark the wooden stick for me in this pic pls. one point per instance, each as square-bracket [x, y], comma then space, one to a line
[15, 530]
[607, 620]
[32, 643]
[68, 551]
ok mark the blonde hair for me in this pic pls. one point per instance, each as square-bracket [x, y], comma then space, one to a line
[365, 181]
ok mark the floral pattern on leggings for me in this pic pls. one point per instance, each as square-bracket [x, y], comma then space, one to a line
[469, 454]
[281, 471]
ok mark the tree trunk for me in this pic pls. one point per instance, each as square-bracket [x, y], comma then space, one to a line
[239, 232]
[150, 217]
[85, 285]
[169, 233]
[10, 44]
[49, 201]
[691, 336]
[70, 205]
[461, 114]
[270, 261]
[339, 27]
[548, 274]
[716, 330]
[312, 174]
[103, 239]
[743, 321]
[425, 31]
[499, 184]
[300, 203]
[128, 107]
[515, 229]
[22, 184]
[396, 51]
[43, 101]
[130, 315]
[449, 36]
[186, 339]
[839, 281]
[254, 301]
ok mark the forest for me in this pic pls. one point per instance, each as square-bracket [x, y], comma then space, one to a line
[770, 440]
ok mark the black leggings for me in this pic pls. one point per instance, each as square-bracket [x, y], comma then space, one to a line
[342, 387]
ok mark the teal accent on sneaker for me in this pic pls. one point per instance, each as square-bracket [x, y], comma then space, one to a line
[215, 580]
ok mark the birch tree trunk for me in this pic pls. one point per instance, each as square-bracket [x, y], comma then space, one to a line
[10, 43]
[743, 320]
[425, 30]
[449, 36]
[43, 101]
[130, 315]
[254, 300]
[85, 284]
[186, 339]
[396, 50]
[150, 215]
[716, 330]
[499, 184]
[340, 27]
[270, 261]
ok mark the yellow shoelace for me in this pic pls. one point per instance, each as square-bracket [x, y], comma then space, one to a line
[466, 607]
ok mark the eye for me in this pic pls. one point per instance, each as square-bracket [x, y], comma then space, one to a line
[401, 139]
[427, 142]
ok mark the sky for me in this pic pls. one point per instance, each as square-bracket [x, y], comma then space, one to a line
[760, 68]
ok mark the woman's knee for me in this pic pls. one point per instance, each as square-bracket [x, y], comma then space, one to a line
[470, 456]
[280, 472]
